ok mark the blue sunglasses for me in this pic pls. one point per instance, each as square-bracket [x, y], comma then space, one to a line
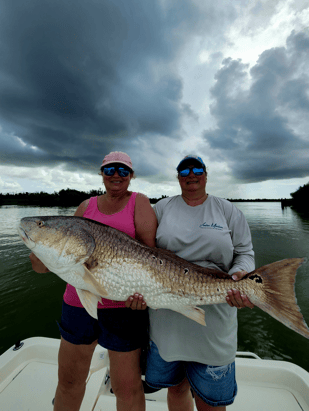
[110, 171]
[186, 171]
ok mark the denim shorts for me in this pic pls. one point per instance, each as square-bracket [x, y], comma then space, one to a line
[216, 386]
[117, 329]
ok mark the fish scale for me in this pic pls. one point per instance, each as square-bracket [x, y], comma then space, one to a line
[101, 261]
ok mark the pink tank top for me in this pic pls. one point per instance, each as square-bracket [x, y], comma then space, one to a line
[123, 221]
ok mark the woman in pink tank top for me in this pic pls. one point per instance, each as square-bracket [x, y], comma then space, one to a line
[121, 326]
[123, 221]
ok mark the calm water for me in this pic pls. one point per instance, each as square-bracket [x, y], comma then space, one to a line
[30, 303]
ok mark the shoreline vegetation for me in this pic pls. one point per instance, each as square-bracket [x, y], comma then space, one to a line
[299, 200]
[71, 198]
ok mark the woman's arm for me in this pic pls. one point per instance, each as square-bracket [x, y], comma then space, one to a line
[81, 208]
[37, 264]
[243, 261]
[145, 221]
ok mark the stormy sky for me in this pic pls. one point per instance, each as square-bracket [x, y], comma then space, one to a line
[158, 79]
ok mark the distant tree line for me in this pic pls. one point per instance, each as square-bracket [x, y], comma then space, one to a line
[300, 198]
[255, 200]
[63, 198]
[72, 198]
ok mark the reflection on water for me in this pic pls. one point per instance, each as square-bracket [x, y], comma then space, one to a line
[257, 331]
[30, 303]
[276, 234]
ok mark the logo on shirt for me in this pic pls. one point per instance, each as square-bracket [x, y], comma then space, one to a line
[213, 226]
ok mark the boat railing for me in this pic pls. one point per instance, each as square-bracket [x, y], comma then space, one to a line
[247, 354]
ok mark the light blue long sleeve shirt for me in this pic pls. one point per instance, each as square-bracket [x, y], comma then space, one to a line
[216, 235]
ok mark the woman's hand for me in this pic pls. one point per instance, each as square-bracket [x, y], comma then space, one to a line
[136, 302]
[37, 264]
[234, 298]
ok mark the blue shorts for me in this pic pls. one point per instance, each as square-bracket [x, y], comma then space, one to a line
[117, 329]
[216, 386]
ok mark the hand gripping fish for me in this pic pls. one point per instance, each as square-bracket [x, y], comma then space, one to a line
[100, 261]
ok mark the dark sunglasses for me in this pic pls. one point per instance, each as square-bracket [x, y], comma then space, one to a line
[110, 171]
[196, 171]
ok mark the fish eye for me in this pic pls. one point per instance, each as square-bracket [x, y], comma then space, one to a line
[40, 224]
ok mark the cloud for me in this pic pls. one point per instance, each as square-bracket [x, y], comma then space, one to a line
[78, 79]
[9, 186]
[255, 110]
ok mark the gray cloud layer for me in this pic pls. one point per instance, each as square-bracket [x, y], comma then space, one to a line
[263, 128]
[76, 78]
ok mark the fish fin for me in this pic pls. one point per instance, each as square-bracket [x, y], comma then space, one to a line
[90, 279]
[279, 301]
[194, 313]
[89, 301]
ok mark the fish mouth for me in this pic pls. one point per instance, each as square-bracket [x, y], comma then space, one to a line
[25, 237]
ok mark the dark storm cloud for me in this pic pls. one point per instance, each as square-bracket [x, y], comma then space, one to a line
[263, 122]
[79, 78]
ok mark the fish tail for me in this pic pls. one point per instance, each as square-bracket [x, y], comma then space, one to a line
[279, 299]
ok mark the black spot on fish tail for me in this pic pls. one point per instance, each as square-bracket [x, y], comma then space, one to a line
[279, 298]
[256, 278]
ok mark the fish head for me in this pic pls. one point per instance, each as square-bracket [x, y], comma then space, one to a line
[61, 243]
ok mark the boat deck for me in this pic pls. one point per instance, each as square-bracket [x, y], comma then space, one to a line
[28, 379]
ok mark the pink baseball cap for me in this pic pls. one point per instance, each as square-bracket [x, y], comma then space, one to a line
[117, 157]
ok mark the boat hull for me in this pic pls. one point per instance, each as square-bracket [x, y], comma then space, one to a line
[28, 380]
